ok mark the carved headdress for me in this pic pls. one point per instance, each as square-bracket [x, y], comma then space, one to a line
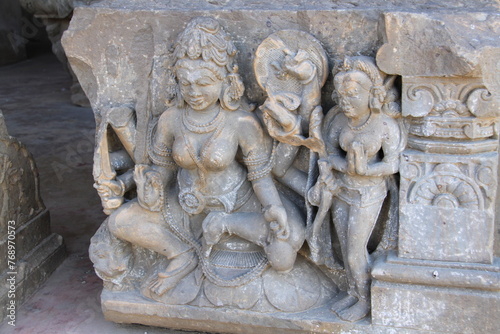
[206, 40]
[382, 90]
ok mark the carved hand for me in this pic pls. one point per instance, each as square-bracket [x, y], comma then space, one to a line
[280, 113]
[277, 218]
[111, 193]
[360, 160]
[149, 187]
[326, 181]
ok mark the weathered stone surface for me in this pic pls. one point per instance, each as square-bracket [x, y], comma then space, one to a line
[437, 44]
[436, 295]
[479, 5]
[32, 253]
[454, 122]
[130, 308]
[182, 231]
[139, 44]
[461, 229]
[425, 308]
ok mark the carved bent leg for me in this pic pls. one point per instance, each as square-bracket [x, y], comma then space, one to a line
[354, 226]
[250, 226]
[147, 229]
[253, 227]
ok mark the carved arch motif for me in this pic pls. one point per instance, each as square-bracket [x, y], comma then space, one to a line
[447, 187]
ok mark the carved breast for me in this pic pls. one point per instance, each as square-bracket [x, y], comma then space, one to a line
[370, 138]
[213, 154]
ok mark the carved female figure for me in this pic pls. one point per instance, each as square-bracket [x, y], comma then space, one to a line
[232, 202]
[363, 141]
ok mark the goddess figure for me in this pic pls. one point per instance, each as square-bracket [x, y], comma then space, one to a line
[210, 171]
[363, 139]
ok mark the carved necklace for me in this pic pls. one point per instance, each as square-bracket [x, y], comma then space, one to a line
[362, 126]
[192, 126]
[218, 126]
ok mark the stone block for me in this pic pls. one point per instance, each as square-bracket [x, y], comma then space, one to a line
[437, 44]
[447, 207]
[435, 309]
[436, 296]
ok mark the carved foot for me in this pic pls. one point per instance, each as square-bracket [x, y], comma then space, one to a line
[343, 303]
[356, 312]
[177, 269]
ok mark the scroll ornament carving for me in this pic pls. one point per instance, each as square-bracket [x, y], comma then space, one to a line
[451, 110]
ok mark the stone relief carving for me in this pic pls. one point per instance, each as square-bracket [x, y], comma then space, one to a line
[230, 205]
[455, 119]
[354, 176]
[450, 110]
[20, 196]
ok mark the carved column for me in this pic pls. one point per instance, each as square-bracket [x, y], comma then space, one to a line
[444, 275]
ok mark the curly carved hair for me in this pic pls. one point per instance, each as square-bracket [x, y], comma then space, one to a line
[205, 39]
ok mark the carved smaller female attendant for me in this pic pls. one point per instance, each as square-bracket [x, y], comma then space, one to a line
[363, 142]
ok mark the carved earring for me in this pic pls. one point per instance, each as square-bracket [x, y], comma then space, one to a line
[377, 96]
[232, 91]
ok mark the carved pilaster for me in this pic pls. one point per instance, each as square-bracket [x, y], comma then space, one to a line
[448, 178]
[445, 261]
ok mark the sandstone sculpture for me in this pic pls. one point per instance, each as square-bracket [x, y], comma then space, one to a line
[364, 142]
[206, 201]
[241, 204]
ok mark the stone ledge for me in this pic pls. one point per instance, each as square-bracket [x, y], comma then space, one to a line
[131, 308]
[438, 273]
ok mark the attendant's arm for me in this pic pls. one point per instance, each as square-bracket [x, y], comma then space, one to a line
[256, 147]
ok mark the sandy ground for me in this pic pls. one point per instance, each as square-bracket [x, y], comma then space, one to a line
[35, 99]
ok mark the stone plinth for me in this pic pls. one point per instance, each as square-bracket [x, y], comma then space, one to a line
[435, 295]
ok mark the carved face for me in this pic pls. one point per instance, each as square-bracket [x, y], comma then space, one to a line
[353, 89]
[199, 84]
